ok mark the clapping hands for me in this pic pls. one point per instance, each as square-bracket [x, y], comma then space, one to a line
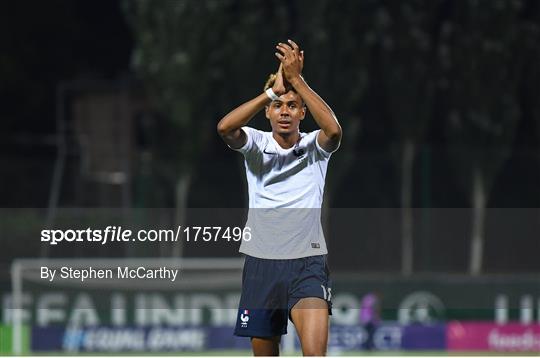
[290, 68]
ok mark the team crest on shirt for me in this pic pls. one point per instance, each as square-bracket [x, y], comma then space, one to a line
[299, 152]
[244, 317]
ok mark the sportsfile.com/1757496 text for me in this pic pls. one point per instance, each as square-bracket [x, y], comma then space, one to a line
[118, 234]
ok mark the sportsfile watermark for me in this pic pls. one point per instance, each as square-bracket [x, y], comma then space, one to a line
[119, 234]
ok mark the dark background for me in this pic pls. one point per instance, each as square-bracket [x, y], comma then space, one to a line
[459, 79]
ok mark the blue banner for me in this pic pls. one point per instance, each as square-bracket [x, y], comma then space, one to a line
[387, 336]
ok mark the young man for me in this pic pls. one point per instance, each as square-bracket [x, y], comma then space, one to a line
[285, 272]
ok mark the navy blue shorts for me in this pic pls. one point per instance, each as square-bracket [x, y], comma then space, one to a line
[270, 288]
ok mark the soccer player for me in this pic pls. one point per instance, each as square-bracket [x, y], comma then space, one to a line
[285, 272]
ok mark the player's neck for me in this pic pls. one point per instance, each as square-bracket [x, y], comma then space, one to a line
[286, 141]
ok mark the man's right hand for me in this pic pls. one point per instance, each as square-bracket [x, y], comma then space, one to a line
[279, 86]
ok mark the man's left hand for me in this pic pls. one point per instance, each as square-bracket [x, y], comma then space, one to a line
[292, 60]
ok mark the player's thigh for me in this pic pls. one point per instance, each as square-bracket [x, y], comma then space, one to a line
[310, 318]
[265, 346]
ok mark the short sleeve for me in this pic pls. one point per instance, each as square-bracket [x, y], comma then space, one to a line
[323, 152]
[254, 139]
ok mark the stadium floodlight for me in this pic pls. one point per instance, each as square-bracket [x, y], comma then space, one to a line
[196, 273]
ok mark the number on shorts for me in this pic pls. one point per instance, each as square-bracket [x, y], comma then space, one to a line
[327, 293]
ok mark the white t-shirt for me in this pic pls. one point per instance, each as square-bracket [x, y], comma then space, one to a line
[285, 188]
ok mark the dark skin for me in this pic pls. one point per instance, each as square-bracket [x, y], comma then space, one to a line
[285, 115]
[310, 318]
[310, 314]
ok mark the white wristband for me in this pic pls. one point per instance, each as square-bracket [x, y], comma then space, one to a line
[270, 93]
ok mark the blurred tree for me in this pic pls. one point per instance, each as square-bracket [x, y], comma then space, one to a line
[337, 56]
[406, 51]
[531, 88]
[54, 41]
[479, 54]
[174, 51]
[195, 59]
[531, 73]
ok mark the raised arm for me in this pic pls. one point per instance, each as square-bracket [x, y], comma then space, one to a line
[230, 126]
[292, 60]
